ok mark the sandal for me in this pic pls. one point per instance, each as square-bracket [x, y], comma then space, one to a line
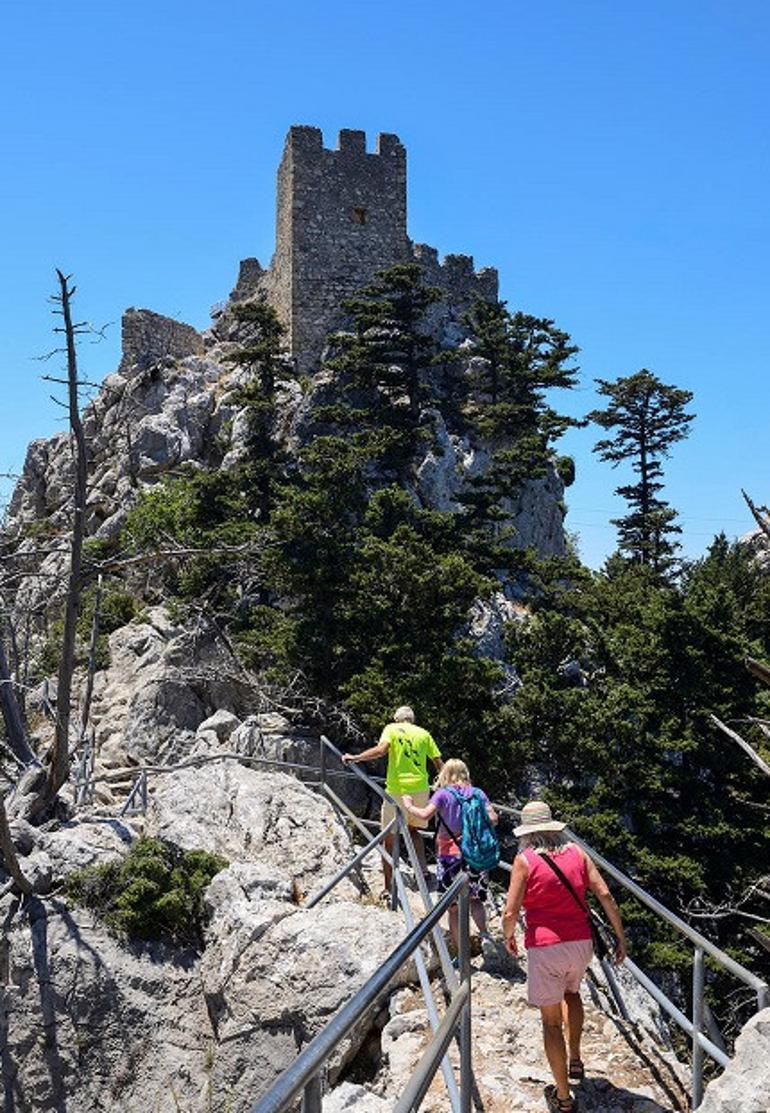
[576, 1072]
[557, 1104]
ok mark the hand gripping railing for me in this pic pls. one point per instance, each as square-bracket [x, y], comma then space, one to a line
[701, 947]
[304, 1074]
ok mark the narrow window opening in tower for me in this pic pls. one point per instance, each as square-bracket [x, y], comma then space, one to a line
[359, 216]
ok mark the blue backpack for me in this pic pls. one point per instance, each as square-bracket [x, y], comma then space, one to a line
[478, 840]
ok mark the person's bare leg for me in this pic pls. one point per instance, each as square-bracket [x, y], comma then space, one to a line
[479, 914]
[387, 872]
[419, 846]
[555, 1048]
[573, 1019]
[453, 916]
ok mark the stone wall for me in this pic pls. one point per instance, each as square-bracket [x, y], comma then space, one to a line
[149, 337]
[341, 217]
[461, 284]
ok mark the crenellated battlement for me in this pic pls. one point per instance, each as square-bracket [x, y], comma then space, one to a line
[308, 141]
[457, 275]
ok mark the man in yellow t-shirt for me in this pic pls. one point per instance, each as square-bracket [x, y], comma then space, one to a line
[409, 748]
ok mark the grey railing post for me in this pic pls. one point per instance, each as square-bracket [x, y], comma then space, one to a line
[311, 1095]
[698, 980]
[144, 790]
[464, 955]
[396, 861]
[322, 760]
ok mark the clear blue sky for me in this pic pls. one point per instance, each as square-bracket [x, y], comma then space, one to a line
[611, 159]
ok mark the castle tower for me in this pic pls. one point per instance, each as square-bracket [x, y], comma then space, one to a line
[341, 217]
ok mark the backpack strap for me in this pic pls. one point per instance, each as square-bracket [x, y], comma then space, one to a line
[458, 796]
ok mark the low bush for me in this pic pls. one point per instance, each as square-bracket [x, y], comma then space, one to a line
[156, 892]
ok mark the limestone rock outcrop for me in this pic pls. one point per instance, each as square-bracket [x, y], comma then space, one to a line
[250, 816]
[744, 1086]
[91, 1023]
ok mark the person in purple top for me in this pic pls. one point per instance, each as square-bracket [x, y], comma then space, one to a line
[453, 778]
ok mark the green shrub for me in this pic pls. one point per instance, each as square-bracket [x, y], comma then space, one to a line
[565, 467]
[155, 893]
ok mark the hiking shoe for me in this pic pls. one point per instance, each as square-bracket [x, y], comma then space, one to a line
[556, 1104]
[488, 945]
[576, 1072]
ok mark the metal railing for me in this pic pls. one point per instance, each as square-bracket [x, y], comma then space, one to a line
[399, 896]
[305, 1073]
[692, 1026]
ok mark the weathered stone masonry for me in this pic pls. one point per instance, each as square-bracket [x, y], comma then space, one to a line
[341, 217]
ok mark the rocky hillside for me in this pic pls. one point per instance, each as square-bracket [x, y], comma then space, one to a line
[93, 1023]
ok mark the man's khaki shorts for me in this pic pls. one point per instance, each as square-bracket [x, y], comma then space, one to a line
[419, 799]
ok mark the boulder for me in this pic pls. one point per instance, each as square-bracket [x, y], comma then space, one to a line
[744, 1086]
[90, 1024]
[222, 723]
[272, 736]
[250, 816]
[349, 1098]
[288, 983]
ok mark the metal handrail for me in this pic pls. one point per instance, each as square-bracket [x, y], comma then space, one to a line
[702, 946]
[303, 1073]
[380, 837]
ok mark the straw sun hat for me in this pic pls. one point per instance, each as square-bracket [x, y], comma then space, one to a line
[536, 816]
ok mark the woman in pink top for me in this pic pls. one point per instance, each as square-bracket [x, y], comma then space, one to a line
[557, 937]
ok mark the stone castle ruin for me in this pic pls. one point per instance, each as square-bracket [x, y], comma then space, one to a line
[340, 218]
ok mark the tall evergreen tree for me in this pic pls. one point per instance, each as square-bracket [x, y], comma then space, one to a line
[646, 418]
[522, 358]
[260, 336]
[384, 362]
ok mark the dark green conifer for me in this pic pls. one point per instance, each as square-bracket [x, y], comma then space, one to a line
[647, 418]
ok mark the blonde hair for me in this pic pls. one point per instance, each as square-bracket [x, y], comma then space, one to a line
[453, 772]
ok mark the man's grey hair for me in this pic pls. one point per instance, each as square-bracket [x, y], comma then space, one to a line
[403, 715]
[544, 841]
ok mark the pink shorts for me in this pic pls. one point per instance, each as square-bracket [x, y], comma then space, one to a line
[556, 969]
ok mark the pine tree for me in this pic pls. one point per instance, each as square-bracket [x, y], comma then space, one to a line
[259, 352]
[647, 418]
[384, 363]
[522, 357]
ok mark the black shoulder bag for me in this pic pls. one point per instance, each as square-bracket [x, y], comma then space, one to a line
[599, 930]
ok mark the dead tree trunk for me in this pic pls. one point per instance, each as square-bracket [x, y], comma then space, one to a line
[8, 851]
[744, 745]
[60, 759]
[758, 669]
[14, 723]
[89, 692]
[760, 514]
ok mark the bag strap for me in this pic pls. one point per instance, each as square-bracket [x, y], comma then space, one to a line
[566, 883]
[458, 796]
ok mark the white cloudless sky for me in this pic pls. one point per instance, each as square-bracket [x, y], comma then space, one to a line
[610, 159]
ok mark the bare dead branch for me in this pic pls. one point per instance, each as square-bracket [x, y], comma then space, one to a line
[758, 761]
[9, 853]
[758, 669]
[761, 515]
